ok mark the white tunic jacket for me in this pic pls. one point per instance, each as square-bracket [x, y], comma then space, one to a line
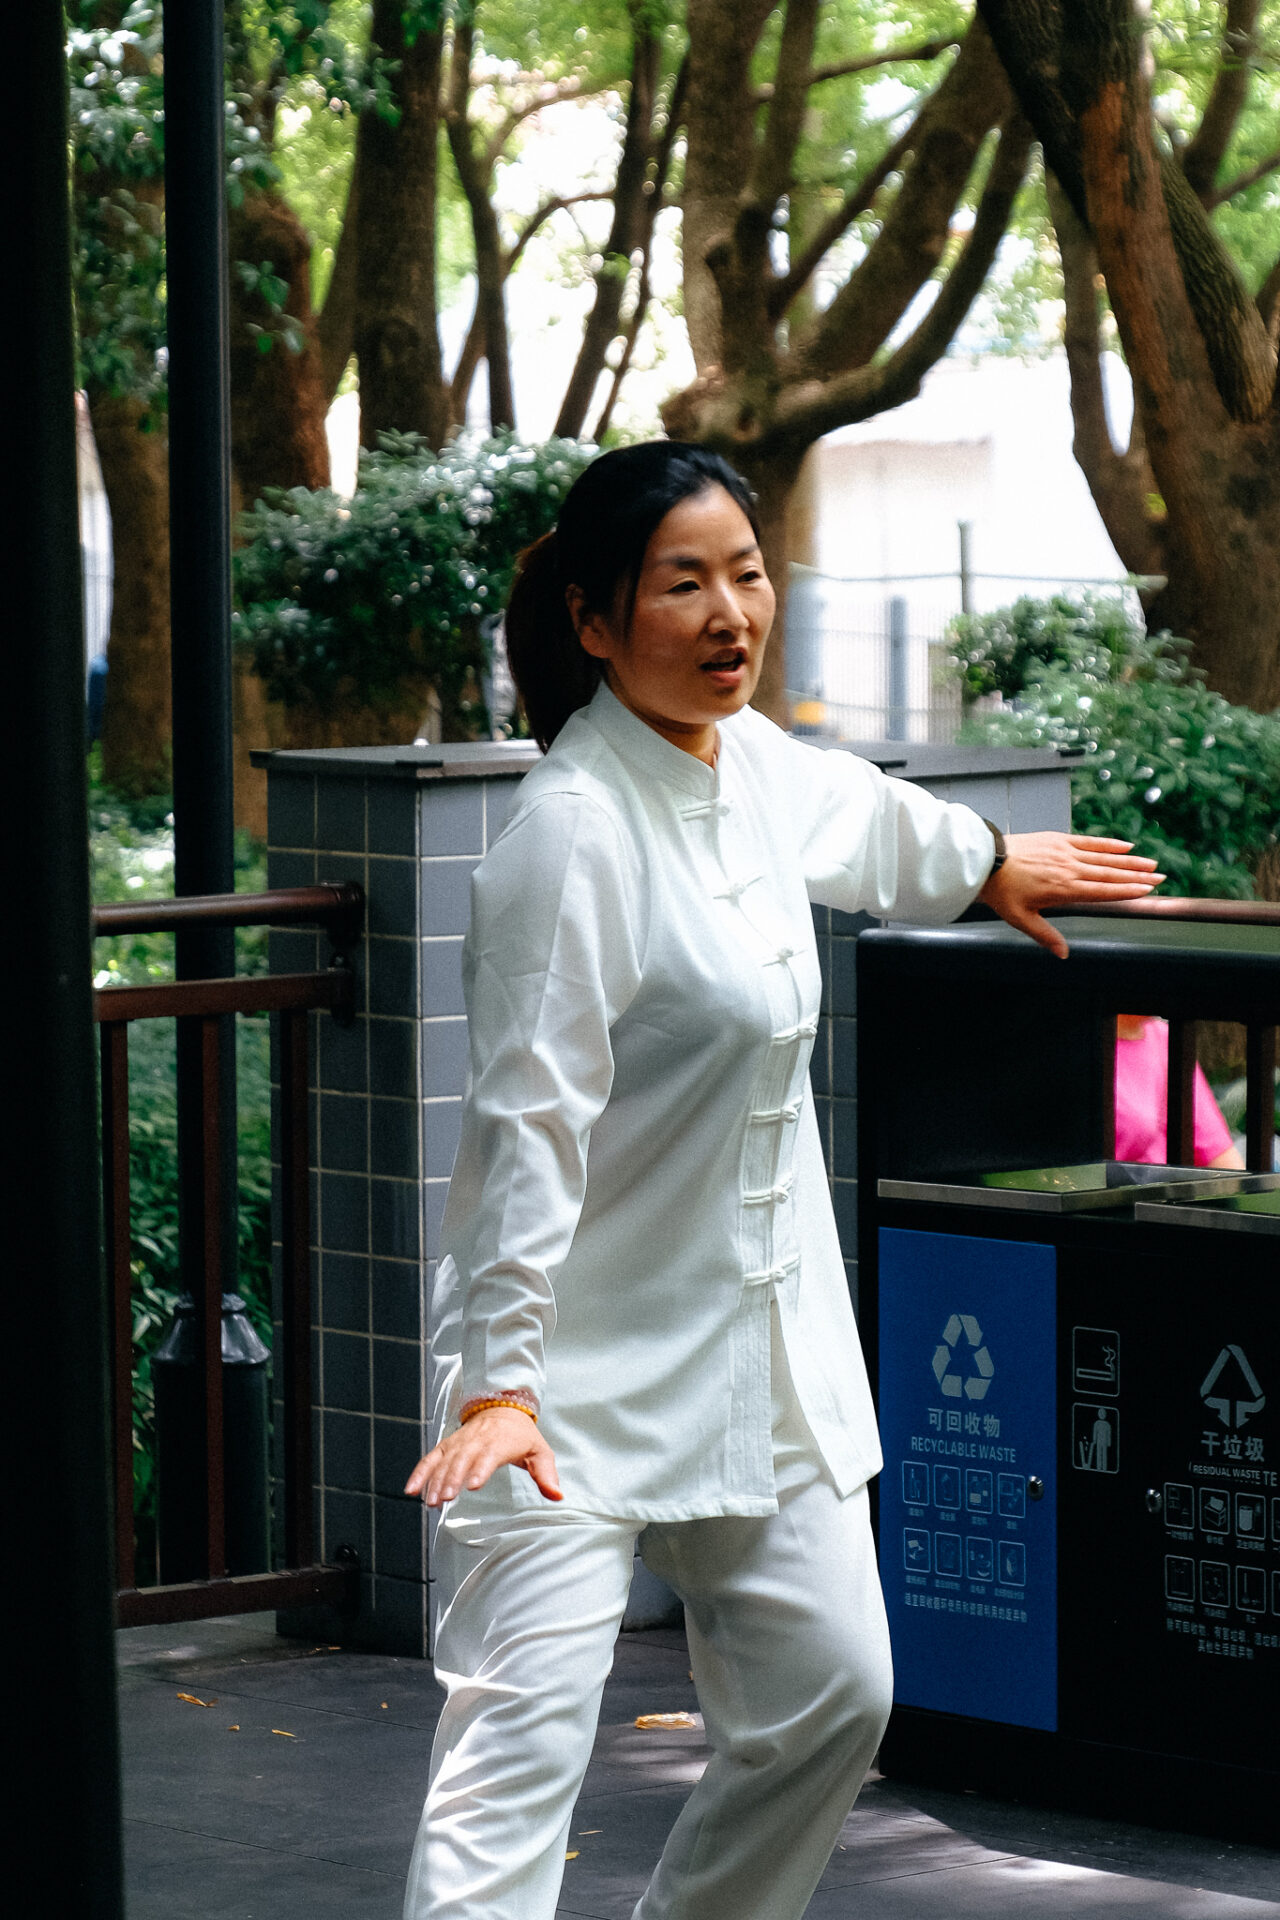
[640, 1174]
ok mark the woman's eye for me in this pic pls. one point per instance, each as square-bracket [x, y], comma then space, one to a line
[685, 586]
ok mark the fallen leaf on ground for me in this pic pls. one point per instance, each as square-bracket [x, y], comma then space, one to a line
[283, 1734]
[571, 1856]
[584, 1831]
[649, 1722]
[193, 1699]
[384, 1706]
[234, 1729]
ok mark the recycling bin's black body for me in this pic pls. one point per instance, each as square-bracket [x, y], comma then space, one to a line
[1079, 1516]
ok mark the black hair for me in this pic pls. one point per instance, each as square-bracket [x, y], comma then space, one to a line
[598, 545]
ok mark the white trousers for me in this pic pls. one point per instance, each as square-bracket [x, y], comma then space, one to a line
[790, 1654]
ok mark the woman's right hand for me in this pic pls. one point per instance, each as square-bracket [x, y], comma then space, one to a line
[496, 1437]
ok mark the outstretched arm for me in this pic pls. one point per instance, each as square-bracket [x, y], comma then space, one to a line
[1046, 870]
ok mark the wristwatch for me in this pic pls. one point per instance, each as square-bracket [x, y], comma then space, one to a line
[1002, 852]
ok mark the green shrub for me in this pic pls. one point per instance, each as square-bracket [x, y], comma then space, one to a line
[343, 600]
[1191, 779]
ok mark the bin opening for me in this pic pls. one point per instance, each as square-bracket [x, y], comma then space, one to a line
[1071, 1189]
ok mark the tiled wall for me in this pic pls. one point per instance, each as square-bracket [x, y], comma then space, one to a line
[386, 1101]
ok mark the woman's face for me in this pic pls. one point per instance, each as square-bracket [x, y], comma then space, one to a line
[703, 609]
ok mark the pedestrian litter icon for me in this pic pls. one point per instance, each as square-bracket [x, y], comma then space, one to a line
[961, 1363]
[1095, 1438]
[1231, 1388]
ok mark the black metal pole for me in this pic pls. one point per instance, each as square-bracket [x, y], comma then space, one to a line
[63, 1798]
[200, 601]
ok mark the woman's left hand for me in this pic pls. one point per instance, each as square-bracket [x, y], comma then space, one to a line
[1045, 870]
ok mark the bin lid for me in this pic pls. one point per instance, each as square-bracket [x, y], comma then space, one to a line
[1075, 1189]
[1254, 1209]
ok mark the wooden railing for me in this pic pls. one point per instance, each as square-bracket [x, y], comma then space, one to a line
[206, 1003]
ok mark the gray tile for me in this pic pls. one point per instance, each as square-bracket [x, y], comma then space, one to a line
[989, 797]
[291, 869]
[391, 967]
[399, 1625]
[291, 811]
[820, 1061]
[446, 897]
[393, 1140]
[851, 1281]
[346, 1362]
[396, 1298]
[500, 798]
[1040, 802]
[290, 949]
[397, 1446]
[844, 1139]
[844, 1058]
[344, 1132]
[400, 1538]
[442, 978]
[434, 1195]
[441, 1122]
[348, 1522]
[346, 1439]
[393, 896]
[340, 815]
[395, 1219]
[344, 1212]
[393, 1057]
[851, 923]
[392, 817]
[444, 1058]
[342, 1056]
[452, 818]
[844, 1199]
[397, 1379]
[333, 866]
[344, 1292]
[172, 1874]
[844, 976]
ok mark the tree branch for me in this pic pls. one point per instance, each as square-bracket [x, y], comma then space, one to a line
[1249, 178]
[864, 62]
[1268, 299]
[552, 95]
[807, 262]
[865, 390]
[1204, 153]
[1121, 482]
[470, 162]
[771, 175]
[946, 138]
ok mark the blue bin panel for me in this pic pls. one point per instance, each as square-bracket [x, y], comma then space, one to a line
[967, 1417]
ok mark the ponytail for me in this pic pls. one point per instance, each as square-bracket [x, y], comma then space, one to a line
[553, 670]
[608, 517]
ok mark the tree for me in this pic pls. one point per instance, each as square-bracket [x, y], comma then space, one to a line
[1195, 495]
[777, 368]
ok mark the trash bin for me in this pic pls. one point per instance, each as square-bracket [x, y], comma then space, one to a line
[1079, 1538]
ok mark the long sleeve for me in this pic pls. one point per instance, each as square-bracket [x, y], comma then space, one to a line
[871, 844]
[551, 962]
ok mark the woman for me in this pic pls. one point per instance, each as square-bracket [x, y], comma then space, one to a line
[641, 1326]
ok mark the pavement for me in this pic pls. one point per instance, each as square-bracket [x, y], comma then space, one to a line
[267, 1779]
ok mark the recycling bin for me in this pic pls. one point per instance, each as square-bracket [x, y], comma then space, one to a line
[1079, 1514]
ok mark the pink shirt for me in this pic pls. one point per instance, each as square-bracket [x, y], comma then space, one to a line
[1142, 1091]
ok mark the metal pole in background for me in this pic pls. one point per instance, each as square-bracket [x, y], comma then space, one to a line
[63, 1800]
[200, 599]
[896, 717]
[965, 529]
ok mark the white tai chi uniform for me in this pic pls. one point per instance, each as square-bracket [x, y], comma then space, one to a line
[639, 1232]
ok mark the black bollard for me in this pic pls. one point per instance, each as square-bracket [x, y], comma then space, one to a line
[180, 1474]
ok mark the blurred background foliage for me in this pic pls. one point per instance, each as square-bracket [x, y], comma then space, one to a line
[1190, 778]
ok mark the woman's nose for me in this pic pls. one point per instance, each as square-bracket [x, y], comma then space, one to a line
[728, 611]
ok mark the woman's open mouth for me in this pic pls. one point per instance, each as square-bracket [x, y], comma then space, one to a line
[726, 666]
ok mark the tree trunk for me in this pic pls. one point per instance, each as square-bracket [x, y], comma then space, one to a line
[772, 483]
[278, 400]
[626, 234]
[137, 727]
[337, 322]
[474, 176]
[397, 338]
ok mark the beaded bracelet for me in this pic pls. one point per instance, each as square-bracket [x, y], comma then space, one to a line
[498, 1400]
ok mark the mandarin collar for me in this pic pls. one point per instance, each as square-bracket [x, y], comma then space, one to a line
[647, 750]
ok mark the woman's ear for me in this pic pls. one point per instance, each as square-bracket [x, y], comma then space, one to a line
[593, 633]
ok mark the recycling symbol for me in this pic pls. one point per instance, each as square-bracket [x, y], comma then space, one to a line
[1231, 1388]
[962, 1341]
